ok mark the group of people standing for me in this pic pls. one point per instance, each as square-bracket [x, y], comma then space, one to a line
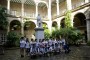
[42, 46]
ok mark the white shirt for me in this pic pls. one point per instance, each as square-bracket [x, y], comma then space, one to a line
[27, 45]
[22, 43]
[63, 41]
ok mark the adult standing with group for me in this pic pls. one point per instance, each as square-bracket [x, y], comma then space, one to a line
[22, 46]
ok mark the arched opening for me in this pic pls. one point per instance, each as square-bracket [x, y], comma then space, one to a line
[62, 23]
[29, 8]
[29, 27]
[42, 9]
[15, 26]
[79, 22]
[54, 25]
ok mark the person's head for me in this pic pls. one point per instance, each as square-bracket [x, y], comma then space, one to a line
[40, 40]
[36, 40]
[22, 38]
[31, 39]
[27, 40]
[38, 14]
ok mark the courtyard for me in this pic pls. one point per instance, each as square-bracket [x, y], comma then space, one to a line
[77, 53]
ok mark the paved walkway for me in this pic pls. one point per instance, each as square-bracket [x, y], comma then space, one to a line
[77, 53]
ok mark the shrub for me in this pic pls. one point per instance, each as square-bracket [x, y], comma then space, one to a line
[12, 39]
[71, 35]
[46, 34]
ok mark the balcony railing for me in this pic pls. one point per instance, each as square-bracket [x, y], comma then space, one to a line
[26, 14]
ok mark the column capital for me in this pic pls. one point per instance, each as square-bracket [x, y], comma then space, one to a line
[37, 4]
[57, 1]
[86, 1]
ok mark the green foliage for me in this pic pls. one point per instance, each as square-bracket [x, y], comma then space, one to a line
[45, 26]
[3, 19]
[56, 33]
[68, 19]
[12, 39]
[46, 34]
[71, 35]
[74, 36]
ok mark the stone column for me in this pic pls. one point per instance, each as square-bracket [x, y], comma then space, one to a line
[88, 29]
[88, 25]
[22, 15]
[49, 16]
[57, 1]
[58, 23]
[8, 28]
[22, 10]
[49, 10]
[8, 6]
[69, 5]
[50, 26]
[72, 17]
[86, 1]
[36, 9]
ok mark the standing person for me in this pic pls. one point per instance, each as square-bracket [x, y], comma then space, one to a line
[65, 46]
[63, 41]
[27, 46]
[22, 46]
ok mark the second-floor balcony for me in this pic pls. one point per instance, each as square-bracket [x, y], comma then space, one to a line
[18, 14]
[26, 15]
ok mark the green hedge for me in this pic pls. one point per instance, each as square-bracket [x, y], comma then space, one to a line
[13, 39]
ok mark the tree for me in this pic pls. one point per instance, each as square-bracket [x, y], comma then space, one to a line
[3, 18]
[13, 39]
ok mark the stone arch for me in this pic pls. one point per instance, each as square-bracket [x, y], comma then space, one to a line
[43, 2]
[79, 22]
[42, 9]
[29, 8]
[29, 27]
[15, 25]
[62, 23]
[54, 24]
[45, 26]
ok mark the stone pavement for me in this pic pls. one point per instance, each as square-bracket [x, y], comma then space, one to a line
[77, 53]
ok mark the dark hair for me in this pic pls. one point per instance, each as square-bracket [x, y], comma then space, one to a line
[21, 38]
[27, 40]
[35, 39]
[31, 39]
